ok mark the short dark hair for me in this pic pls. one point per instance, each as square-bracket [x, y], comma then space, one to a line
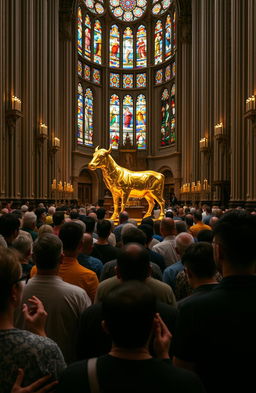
[101, 212]
[148, 230]
[236, 232]
[133, 262]
[89, 223]
[198, 215]
[205, 235]
[133, 235]
[9, 223]
[104, 229]
[129, 311]
[169, 214]
[189, 220]
[148, 221]
[71, 235]
[180, 226]
[198, 257]
[74, 215]
[58, 218]
[47, 251]
[39, 211]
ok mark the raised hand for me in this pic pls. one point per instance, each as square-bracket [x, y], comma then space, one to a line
[162, 338]
[35, 316]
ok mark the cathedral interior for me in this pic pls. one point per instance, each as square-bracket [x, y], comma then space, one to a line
[168, 85]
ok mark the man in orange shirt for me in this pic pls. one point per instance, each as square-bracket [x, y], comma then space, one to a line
[199, 225]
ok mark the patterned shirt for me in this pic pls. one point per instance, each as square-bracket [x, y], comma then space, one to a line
[37, 355]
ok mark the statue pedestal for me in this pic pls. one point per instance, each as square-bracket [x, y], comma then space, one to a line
[135, 208]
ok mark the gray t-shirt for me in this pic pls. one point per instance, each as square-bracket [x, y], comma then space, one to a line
[37, 355]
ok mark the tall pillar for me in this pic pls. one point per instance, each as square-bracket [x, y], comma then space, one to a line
[3, 97]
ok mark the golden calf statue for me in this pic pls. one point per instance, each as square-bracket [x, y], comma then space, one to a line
[124, 184]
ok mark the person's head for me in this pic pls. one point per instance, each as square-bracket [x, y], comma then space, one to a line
[205, 235]
[128, 312]
[189, 220]
[169, 214]
[74, 215]
[167, 227]
[180, 226]
[71, 235]
[213, 221]
[24, 209]
[58, 218]
[93, 215]
[197, 215]
[29, 220]
[133, 263]
[9, 227]
[234, 239]
[47, 252]
[148, 221]
[51, 210]
[23, 245]
[157, 227]
[40, 213]
[89, 223]
[132, 234]
[198, 261]
[87, 244]
[101, 212]
[81, 223]
[103, 229]
[123, 217]
[148, 230]
[182, 242]
[10, 279]
[45, 228]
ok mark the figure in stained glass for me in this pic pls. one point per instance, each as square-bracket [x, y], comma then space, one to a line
[168, 37]
[114, 120]
[141, 122]
[97, 45]
[128, 48]
[158, 42]
[80, 114]
[79, 32]
[165, 119]
[88, 115]
[141, 46]
[87, 32]
[114, 47]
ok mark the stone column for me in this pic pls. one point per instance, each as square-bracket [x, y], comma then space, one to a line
[3, 97]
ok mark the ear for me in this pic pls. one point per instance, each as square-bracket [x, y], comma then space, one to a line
[97, 148]
[110, 149]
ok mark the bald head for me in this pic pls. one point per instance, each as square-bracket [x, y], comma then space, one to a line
[213, 221]
[87, 243]
[167, 227]
[183, 241]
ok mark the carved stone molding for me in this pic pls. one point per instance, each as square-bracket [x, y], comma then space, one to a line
[12, 116]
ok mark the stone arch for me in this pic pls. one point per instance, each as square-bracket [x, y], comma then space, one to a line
[87, 186]
[169, 183]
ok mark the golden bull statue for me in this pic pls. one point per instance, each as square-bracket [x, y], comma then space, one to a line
[124, 184]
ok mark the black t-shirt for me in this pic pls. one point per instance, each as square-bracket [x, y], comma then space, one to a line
[130, 376]
[105, 252]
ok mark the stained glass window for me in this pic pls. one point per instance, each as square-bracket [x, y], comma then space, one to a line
[95, 6]
[168, 73]
[97, 42]
[165, 119]
[158, 42]
[114, 121]
[96, 76]
[127, 120]
[141, 122]
[141, 80]
[173, 134]
[128, 48]
[174, 69]
[88, 118]
[87, 33]
[168, 37]
[141, 47]
[159, 77]
[79, 68]
[128, 81]
[160, 7]
[114, 49]
[79, 32]
[80, 114]
[87, 72]
[128, 10]
[114, 80]
[174, 30]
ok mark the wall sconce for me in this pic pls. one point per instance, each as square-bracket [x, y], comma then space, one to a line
[218, 129]
[250, 103]
[43, 129]
[250, 112]
[62, 186]
[56, 142]
[203, 144]
[16, 103]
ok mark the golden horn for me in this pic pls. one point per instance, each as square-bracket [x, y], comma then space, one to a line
[97, 148]
[110, 149]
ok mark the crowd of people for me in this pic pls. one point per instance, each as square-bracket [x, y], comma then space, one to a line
[90, 305]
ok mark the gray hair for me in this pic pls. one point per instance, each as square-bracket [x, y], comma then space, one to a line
[183, 240]
[23, 244]
[29, 219]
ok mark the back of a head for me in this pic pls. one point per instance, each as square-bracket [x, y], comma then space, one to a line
[205, 235]
[47, 251]
[9, 223]
[199, 259]
[71, 235]
[51, 210]
[23, 245]
[167, 226]
[123, 217]
[103, 229]
[148, 230]
[45, 228]
[101, 212]
[131, 234]
[89, 223]
[29, 219]
[180, 226]
[169, 214]
[74, 215]
[39, 211]
[236, 232]
[58, 218]
[133, 262]
[183, 240]
[10, 272]
[148, 221]
[189, 220]
[128, 311]
[24, 208]
[197, 215]
[157, 227]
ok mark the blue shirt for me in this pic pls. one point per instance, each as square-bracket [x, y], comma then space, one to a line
[91, 263]
[170, 273]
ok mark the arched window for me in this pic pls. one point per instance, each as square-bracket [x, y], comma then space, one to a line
[80, 114]
[114, 123]
[141, 47]
[168, 37]
[141, 122]
[97, 42]
[168, 135]
[158, 42]
[114, 47]
[128, 48]
[88, 35]
[88, 117]
[79, 32]
[127, 120]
